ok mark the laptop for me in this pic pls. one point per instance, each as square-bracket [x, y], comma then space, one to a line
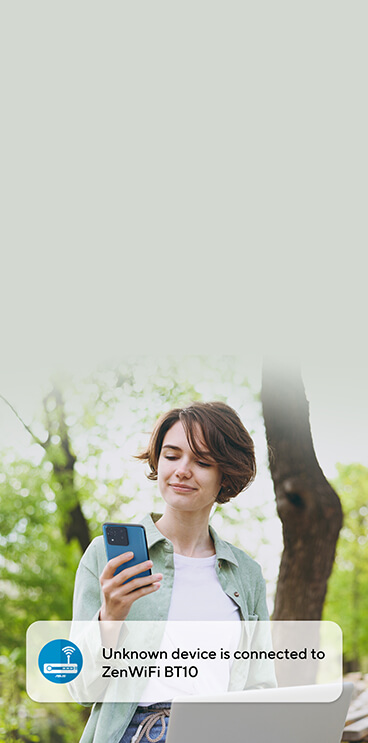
[219, 720]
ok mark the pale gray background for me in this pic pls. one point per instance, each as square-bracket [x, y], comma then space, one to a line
[182, 178]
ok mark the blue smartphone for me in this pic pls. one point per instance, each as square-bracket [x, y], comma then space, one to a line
[121, 538]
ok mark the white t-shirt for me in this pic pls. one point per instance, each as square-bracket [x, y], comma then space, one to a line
[198, 606]
[197, 592]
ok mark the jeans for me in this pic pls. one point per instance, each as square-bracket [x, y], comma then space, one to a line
[153, 732]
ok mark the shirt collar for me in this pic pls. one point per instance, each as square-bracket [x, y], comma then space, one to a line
[223, 549]
[152, 532]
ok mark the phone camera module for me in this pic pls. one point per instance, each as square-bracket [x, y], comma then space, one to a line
[117, 535]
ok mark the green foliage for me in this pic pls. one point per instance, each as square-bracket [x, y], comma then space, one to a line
[36, 582]
[23, 720]
[347, 597]
[34, 557]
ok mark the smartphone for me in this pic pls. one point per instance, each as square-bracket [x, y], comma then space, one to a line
[121, 538]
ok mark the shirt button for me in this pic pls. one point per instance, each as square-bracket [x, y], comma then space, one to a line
[236, 593]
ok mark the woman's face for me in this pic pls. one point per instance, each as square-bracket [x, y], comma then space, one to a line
[186, 482]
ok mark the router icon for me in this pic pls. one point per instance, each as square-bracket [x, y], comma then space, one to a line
[54, 661]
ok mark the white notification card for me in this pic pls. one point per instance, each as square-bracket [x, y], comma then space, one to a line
[149, 662]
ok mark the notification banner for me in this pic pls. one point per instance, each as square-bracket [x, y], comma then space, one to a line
[148, 662]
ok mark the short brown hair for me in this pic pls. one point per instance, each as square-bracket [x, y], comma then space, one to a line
[228, 442]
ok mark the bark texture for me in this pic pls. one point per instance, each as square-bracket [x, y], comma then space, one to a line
[63, 459]
[308, 507]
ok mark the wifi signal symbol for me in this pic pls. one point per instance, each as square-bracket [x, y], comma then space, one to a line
[68, 652]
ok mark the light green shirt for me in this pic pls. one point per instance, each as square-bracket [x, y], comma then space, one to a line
[239, 575]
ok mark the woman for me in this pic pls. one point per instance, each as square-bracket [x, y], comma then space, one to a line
[200, 455]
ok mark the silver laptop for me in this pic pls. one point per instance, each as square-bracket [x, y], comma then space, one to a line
[247, 721]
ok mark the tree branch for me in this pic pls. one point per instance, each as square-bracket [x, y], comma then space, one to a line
[28, 429]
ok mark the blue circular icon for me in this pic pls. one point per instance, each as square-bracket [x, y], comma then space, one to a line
[60, 661]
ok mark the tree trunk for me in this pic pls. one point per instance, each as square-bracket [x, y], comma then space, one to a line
[308, 507]
[63, 459]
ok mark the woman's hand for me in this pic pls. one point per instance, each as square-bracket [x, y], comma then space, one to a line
[119, 594]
